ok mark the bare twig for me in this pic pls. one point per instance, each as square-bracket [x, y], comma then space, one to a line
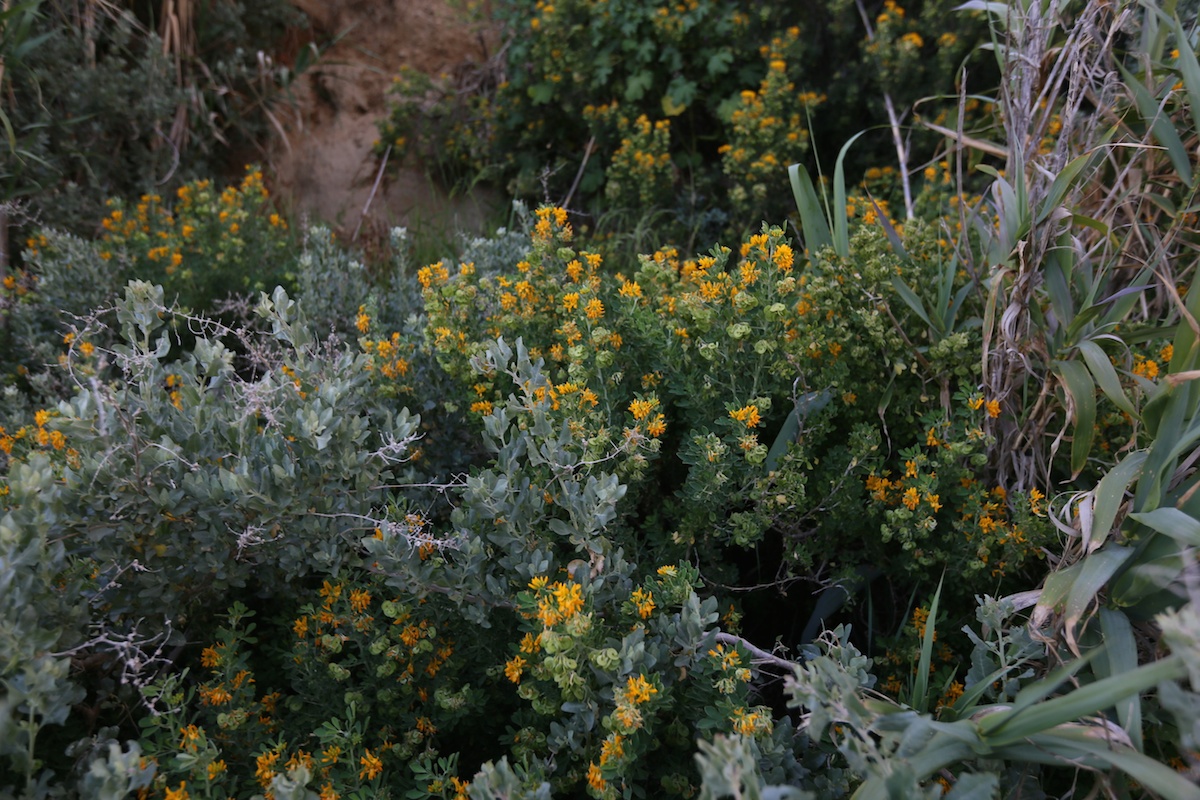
[371, 196]
[758, 655]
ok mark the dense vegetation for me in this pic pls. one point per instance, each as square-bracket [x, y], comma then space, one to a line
[890, 495]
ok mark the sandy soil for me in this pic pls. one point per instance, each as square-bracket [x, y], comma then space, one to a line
[323, 165]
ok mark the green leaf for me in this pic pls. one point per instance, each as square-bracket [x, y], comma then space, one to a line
[1096, 570]
[1153, 775]
[1189, 69]
[1062, 184]
[914, 302]
[813, 225]
[1106, 376]
[1012, 726]
[841, 225]
[638, 84]
[1109, 496]
[809, 403]
[541, 93]
[1179, 525]
[1120, 657]
[919, 699]
[1160, 124]
[975, 786]
[719, 62]
[1078, 383]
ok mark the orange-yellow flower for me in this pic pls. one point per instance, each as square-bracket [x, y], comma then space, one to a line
[748, 414]
[371, 766]
[514, 668]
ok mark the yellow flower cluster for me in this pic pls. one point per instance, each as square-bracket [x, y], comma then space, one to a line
[767, 128]
[557, 603]
[640, 172]
[637, 692]
[38, 435]
[203, 230]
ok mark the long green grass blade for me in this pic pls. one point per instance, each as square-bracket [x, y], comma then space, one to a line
[1109, 496]
[1179, 525]
[975, 786]
[1062, 184]
[1160, 125]
[1189, 69]
[1082, 391]
[1097, 569]
[915, 303]
[921, 682]
[841, 225]
[1120, 657]
[1106, 376]
[1094, 746]
[813, 225]
[1086, 701]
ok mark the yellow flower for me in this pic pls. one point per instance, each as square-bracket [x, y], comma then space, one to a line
[784, 257]
[192, 735]
[638, 690]
[360, 599]
[594, 309]
[514, 668]
[1035, 498]
[1147, 368]
[371, 766]
[643, 601]
[178, 794]
[642, 408]
[657, 427]
[209, 657]
[595, 779]
[569, 597]
[215, 769]
[264, 767]
[953, 692]
[911, 498]
[362, 321]
[613, 748]
[630, 289]
[570, 301]
[748, 414]
[993, 408]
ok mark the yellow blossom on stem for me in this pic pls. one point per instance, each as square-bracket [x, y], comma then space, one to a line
[594, 309]
[638, 690]
[595, 779]
[643, 601]
[514, 668]
[371, 766]
[748, 414]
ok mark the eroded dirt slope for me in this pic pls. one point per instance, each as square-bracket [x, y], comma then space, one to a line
[323, 165]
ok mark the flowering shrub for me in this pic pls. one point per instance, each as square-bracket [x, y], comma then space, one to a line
[670, 107]
[653, 451]
[204, 246]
